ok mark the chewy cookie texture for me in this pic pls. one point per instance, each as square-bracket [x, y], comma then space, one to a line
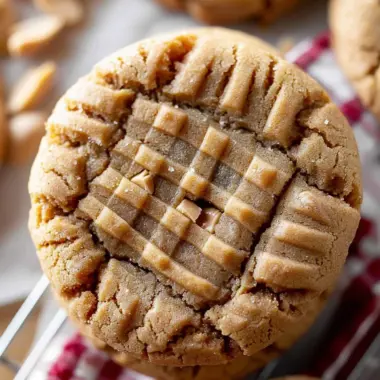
[238, 368]
[355, 27]
[156, 134]
[231, 11]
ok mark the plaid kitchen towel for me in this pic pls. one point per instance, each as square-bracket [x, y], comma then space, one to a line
[357, 320]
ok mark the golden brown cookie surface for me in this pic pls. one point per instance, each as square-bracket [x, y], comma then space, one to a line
[158, 133]
[355, 27]
[238, 368]
[231, 11]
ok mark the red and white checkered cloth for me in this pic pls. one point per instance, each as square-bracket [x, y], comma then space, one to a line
[358, 317]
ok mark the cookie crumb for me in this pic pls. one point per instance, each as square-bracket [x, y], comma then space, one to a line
[284, 45]
[209, 218]
[144, 180]
[190, 209]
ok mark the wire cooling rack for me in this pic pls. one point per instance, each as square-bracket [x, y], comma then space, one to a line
[22, 370]
[367, 369]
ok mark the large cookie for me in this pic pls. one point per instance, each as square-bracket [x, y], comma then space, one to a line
[231, 11]
[355, 27]
[193, 197]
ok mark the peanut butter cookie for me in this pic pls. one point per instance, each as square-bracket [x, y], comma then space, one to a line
[231, 11]
[193, 197]
[355, 27]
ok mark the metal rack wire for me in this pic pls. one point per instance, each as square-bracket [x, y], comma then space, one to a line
[22, 370]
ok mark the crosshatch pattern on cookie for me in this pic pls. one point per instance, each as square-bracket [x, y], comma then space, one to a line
[112, 224]
[213, 146]
[257, 177]
[227, 257]
[194, 179]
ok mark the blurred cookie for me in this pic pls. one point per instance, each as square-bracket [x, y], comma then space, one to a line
[193, 197]
[231, 11]
[3, 124]
[6, 21]
[355, 27]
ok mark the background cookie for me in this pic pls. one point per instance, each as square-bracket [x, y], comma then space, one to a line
[230, 11]
[193, 198]
[355, 27]
[3, 124]
[6, 20]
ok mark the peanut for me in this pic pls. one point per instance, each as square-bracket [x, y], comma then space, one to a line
[30, 36]
[32, 88]
[25, 133]
[70, 11]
